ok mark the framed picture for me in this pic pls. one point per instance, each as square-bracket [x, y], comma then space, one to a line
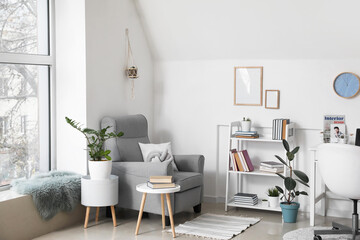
[248, 86]
[272, 99]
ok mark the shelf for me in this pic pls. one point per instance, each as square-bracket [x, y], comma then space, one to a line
[260, 139]
[256, 172]
[258, 206]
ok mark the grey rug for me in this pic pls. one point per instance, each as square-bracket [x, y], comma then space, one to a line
[308, 234]
[51, 192]
[215, 226]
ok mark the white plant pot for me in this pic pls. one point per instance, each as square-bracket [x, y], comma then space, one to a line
[100, 169]
[246, 126]
[273, 202]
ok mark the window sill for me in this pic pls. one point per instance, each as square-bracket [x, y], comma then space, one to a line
[8, 195]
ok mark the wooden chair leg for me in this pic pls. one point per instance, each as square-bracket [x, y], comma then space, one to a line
[170, 214]
[113, 215]
[162, 211]
[87, 217]
[140, 213]
[97, 214]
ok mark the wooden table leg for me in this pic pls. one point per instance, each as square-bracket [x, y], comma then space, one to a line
[140, 213]
[87, 217]
[162, 211]
[97, 214]
[113, 215]
[170, 214]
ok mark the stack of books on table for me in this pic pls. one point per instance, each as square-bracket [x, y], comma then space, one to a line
[246, 199]
[271, 166]
[246, 134]
[157, 182]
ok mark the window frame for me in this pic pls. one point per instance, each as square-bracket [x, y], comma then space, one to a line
[43, 60]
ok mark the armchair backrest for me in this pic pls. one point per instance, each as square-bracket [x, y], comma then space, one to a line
[126, 148]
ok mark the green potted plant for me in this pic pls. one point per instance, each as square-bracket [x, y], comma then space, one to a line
[100, 162]
[273, 195]
[290, 208]
[246, 124]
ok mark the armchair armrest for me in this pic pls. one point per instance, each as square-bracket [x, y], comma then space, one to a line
[190, 163]
[143, 169]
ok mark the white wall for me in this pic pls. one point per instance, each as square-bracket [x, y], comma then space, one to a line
[193, 97]
[108, 89]
[90, 80]
[70, 86]
[302, 45]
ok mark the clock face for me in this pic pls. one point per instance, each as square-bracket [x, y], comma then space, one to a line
[347, 85]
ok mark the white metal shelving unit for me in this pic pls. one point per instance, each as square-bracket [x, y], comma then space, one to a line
[241, 143]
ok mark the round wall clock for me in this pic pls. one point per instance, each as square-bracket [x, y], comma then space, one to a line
[347, 85]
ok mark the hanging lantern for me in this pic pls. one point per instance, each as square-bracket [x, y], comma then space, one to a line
[132, 72]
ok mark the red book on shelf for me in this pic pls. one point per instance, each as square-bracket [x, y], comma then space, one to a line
[248, 161]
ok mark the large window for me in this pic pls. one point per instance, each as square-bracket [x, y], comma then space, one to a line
[26, 67]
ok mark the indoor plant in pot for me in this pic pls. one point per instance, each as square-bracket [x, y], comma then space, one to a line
[246, 124]
[290, 208]
[273, 194]
[100, 162]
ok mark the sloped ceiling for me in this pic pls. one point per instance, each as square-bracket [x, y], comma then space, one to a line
[213, 29]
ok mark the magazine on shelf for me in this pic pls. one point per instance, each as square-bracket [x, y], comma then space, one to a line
[271, 170]
[328, 120]
[337, 132]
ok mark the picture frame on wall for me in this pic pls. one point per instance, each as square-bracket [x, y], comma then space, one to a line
[272, 99]
[248, 86]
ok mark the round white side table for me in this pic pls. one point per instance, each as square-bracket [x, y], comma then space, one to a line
[99, 193]
[145, 190]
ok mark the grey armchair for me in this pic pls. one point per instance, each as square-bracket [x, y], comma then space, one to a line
[129, 165]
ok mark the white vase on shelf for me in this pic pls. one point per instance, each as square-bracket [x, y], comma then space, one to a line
[246, 126]
[273, 202]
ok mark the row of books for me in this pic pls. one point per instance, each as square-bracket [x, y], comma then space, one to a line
[246, 134]
[246, 199]
[240, 161]
[272, 167]
[279, 128]
[157, 182]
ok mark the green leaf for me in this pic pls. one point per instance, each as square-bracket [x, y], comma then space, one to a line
[280, 175]
[303, 193]
[302, 182]
[280, 189]
[290, 184]
[281, 160]
[108, 157]
[286, 145]
[295, 150]
[301, 175]
[290, 156]
[107, 152]
[297, 193]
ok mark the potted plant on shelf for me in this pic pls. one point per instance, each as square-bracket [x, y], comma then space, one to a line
[100, 162]
[290, 208]
[246, 124]
[273, 194]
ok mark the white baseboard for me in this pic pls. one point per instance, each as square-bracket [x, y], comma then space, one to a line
[329, 212]
[213, 199]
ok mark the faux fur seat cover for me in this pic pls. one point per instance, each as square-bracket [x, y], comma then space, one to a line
[51, 192]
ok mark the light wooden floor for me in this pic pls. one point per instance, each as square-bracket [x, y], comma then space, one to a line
[269, 228]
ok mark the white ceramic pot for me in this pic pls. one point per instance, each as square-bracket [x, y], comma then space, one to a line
[273, 202]
[245, 126]
[100, 169]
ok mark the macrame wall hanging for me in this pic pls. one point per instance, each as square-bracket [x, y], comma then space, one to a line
[131, 69]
